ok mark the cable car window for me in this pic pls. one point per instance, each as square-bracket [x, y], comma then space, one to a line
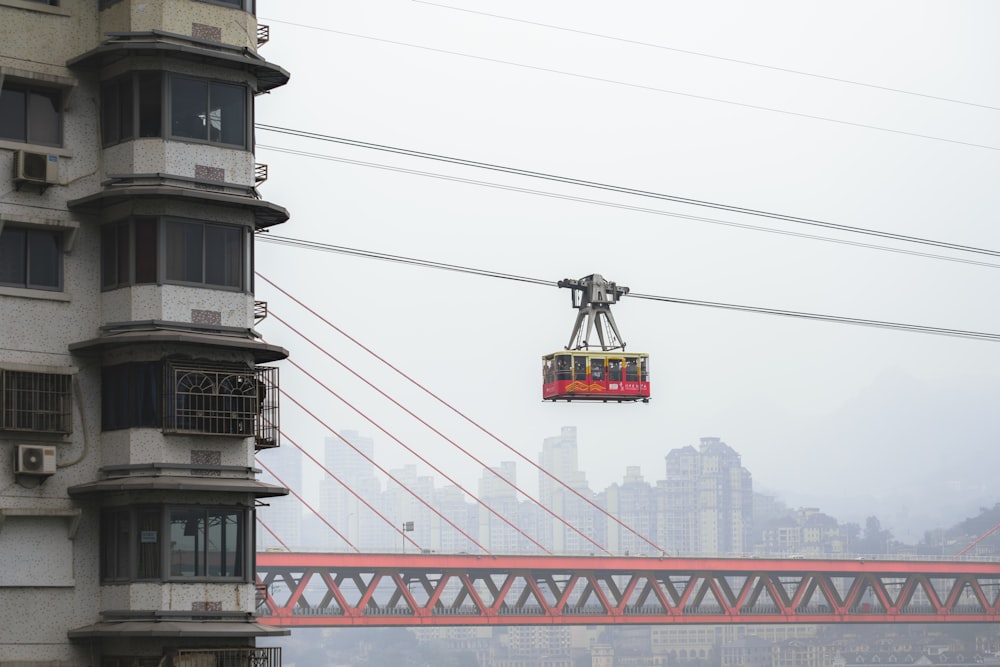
[548, 371]
[562, 367]
[580, 368]
[631, 370]
[644, 369]
[597, 370]
[615, 370]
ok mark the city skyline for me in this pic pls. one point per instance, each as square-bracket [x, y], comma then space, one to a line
[702, 503]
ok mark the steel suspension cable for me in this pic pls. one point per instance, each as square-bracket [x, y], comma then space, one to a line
[837, 319]
[347, 487]
[449, 441]
[273, 534]
[424, 460]
[621, 206]
[597, 185]
[371, 460]
[307, 505]
[464, 416]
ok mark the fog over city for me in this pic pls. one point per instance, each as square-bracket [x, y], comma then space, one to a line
[881, 117]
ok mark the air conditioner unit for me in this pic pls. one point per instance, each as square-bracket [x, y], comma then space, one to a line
[36, 168]
[36, 460]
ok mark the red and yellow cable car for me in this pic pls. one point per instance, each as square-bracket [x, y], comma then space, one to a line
[581, 374]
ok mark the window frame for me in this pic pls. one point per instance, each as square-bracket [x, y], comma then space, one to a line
[172, 100]
[54, 255]
[31, 89]
[248, 6]
[36, 401]
[120, 252]
[125, 529]
[152, 102]
[146, 395]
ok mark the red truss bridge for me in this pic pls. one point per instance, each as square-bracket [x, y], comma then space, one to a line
[314, 589]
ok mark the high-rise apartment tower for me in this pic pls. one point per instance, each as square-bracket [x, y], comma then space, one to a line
[132, 391]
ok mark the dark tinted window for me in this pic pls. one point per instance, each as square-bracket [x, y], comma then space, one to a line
[31, 114]
[31, 258]
[208, 111]
[129, 102]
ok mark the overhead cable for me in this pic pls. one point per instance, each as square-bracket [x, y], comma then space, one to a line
[838, 319]
[712, 56]
[629, 207]
[625, 190]
[647, 88]
[469, 420]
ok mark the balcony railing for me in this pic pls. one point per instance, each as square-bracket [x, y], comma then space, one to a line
[265, 656]
[259, 312]
[263, 34]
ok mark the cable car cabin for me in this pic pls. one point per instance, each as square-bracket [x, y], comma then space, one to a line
[580, 375]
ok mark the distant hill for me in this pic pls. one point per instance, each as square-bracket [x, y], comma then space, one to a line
[918, 455]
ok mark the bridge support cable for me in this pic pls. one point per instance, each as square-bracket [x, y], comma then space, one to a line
[446, 589]
[273, 534]
[470, 421]
[485, 466]
[309, 507]
[380, 468]
[424, 460]
[351, 491]
[978, 540]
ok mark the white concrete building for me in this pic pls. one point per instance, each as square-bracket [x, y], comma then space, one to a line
[132, 398]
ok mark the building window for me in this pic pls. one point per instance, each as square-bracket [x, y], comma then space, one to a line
[194, 543]
[208, 111]
[204, 254]
[31, 114]
[147, 250]
[211, 399]
[35, 401]
[133, 106]
[245, 5]
[222, 400]
[132, 396]
[207, 542]
[31, 258]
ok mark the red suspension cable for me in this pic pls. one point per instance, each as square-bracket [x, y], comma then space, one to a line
[273, 534]
[447, 439]
[372, 461]
[464, 416]
[308, 506]
[354, 493]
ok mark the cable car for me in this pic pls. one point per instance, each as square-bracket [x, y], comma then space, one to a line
[579, 373]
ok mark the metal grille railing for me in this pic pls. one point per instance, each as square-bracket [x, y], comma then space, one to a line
[259, 173]
[265, 656]
[259, 311]
[263, 34]
[266, 432]
[35, 401]
[223, 400]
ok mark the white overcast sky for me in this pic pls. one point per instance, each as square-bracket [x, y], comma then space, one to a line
[605, 92]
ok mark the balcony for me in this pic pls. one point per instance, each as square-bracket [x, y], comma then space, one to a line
[268, 656]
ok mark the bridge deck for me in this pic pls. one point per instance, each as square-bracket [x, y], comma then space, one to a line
[313, 589]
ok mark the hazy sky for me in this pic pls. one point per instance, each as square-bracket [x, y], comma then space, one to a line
[616, 93]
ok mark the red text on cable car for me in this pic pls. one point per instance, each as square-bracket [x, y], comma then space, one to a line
[582, 372]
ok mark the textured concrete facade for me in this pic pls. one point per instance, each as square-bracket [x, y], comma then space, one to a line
[132, 357]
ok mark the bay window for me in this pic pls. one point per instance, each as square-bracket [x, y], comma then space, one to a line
[145, 249]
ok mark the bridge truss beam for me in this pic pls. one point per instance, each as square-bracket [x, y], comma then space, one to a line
[308, 589]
